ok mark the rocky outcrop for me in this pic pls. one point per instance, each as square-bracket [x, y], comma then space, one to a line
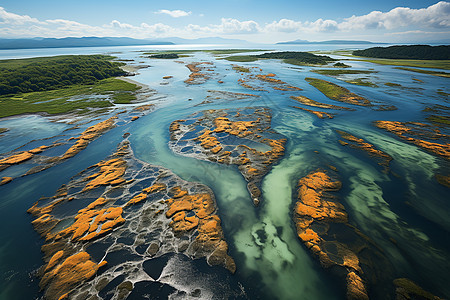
[230, 137]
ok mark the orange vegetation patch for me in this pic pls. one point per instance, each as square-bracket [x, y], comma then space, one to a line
[444, 180]
[167, 77]
[307, 101]
[316, 208]
[367, 147]
[319, 114]
[238, 128]
[196, 77]
[210, 235]
[409, 131]
[111, 173]
[91, 224]
[89, 135]
[134, 118]
[207, 141]
[283, 85]
[73, 271]
[144, 107]
[20, 157]
[6, 180]
[157, 187]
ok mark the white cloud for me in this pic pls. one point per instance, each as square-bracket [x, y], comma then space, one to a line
[375, 24]
[434, 16]
[174, 13]
[15, 19]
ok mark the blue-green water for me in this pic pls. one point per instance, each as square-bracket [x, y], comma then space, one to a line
[410, 208]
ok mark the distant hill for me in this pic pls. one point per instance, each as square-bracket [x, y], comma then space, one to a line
[75, 42]
[407, 52]
[341, 42]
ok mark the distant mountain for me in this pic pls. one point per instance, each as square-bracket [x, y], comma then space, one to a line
[339, 42]
[75, 42]
[208, 40]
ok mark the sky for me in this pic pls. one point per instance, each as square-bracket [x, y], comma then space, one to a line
[261, 21]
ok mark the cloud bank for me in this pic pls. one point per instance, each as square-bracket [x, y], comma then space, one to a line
[435, 18]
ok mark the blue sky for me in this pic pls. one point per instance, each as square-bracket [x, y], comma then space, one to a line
[258, 21]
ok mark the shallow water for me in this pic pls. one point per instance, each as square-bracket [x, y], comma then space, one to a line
[410, 208]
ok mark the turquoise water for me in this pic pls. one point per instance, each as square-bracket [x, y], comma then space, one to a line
[410, 208]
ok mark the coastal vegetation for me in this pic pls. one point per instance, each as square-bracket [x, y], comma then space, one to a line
[361, 81]
[290, 57]
[334, 72]
[50, 73]
[417, 63]
[165, 56]
[69, 99]
[62, 84]
[336, 92]
[407, 52]
[434, 73]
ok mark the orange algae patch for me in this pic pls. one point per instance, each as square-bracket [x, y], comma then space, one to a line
[144, 107]
[16, 159]
[238, 128]
[210, 236]
[143, 196]
[134, 118]
[88, 135]
[405, 130]
[6, 180]
[111, 173]
[167, 77]
[319, 114]
[367, 147]
[73, 271]
[207, 141]
[196, 77]
[315, 206]
[355, 287]
[307, 101]
[91, 223]
[283, 85]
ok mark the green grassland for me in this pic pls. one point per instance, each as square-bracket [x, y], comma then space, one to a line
[361, 81]
[434, 73]
[289, 57]
[418, 63]
[185, 53]
[62, 84]
[70, 99]
[337, 72]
